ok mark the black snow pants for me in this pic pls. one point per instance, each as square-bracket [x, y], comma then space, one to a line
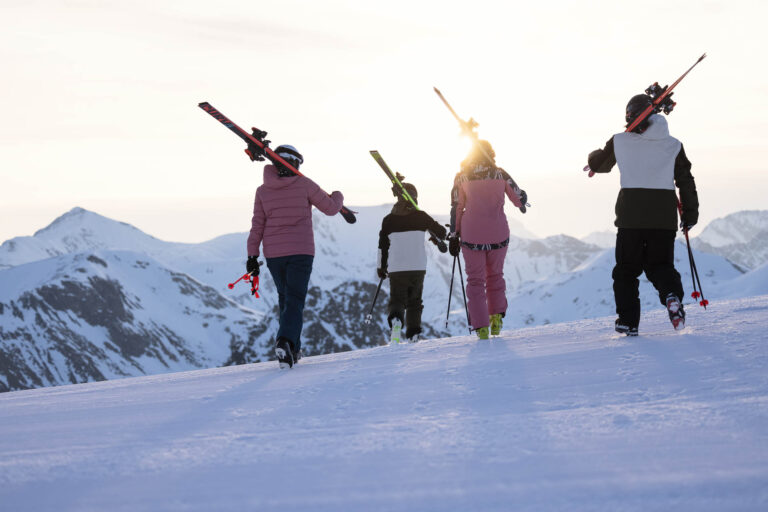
[405, 303]
[643, 250]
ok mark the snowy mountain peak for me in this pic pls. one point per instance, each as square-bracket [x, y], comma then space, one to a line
[84, 220]
[736, 228]
[741, 237]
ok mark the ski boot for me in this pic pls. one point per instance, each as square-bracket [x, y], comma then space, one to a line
[482, 333]
[284, 352]
[496, 323]
[394, 335]
[412, 336]
[623, 328]
[676, 312]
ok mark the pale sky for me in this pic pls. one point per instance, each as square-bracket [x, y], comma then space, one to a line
[100, 102]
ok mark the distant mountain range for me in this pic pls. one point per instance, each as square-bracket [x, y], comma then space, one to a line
[89, 298]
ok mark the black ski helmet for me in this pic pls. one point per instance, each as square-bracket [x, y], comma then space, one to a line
[291, 155]
[411, 189]
[636, 106]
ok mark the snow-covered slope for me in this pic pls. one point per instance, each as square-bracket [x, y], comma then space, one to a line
[746, 285]
[602, 239]
[560, 417]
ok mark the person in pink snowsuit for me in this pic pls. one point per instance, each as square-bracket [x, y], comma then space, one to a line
[480, 230]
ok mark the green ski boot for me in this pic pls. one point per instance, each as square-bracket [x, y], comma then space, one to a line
[397, 327]
[496, 323]
[482, 333]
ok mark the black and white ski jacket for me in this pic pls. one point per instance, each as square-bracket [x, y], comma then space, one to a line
[651, 164]
[401, 239]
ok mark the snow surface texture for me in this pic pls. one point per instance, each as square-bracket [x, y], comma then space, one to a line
[559, 417]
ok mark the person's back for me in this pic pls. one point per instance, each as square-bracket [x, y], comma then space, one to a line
[403, 258]
[481, 234]
[651, 163]
[480, 217]
[282, 221]
[283, 214]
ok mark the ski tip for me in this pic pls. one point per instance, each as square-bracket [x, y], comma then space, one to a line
[702, 57]
[202, 103]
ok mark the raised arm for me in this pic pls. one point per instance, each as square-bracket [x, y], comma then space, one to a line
[328, 204]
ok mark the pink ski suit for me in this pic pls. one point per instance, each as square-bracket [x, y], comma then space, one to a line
[484, 232]
[282, 214]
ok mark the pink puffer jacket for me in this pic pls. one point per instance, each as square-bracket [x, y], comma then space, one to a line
[282, 214]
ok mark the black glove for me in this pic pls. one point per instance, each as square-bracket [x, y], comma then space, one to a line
[252, 265]
[524, 200]
[382, 272]
[454, 245]
[686, 226]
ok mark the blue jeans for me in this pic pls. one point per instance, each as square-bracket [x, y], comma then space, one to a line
[291, 277]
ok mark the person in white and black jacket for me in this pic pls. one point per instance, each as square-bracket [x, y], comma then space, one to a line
[652, 163]
[403, 258]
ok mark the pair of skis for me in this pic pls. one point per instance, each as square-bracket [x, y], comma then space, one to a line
[348, 215]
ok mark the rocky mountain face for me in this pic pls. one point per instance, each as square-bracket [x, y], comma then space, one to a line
[106, 314]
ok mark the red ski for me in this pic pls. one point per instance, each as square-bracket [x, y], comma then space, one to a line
[662, 101]
[348, 215]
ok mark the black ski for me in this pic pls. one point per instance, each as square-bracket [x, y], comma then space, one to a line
[395, 178]
[348, 215]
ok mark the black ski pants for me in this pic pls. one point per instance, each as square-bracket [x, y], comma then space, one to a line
[643, 250]
[405, 302]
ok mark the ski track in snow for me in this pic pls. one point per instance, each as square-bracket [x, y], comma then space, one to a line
[561, 417]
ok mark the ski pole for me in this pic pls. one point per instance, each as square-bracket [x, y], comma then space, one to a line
[464, 293]
[249, 277]
[450, 291]
[369, 316]
[694, 271]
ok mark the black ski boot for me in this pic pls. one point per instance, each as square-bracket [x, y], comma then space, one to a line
[676, 312]
[623, 328]
[284, 353]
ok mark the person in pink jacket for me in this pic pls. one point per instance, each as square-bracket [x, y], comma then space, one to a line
[282, 223]
[480, 231]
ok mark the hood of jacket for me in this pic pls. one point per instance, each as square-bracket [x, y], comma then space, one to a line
[657, 128]
[274, 182]
[402, 208]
